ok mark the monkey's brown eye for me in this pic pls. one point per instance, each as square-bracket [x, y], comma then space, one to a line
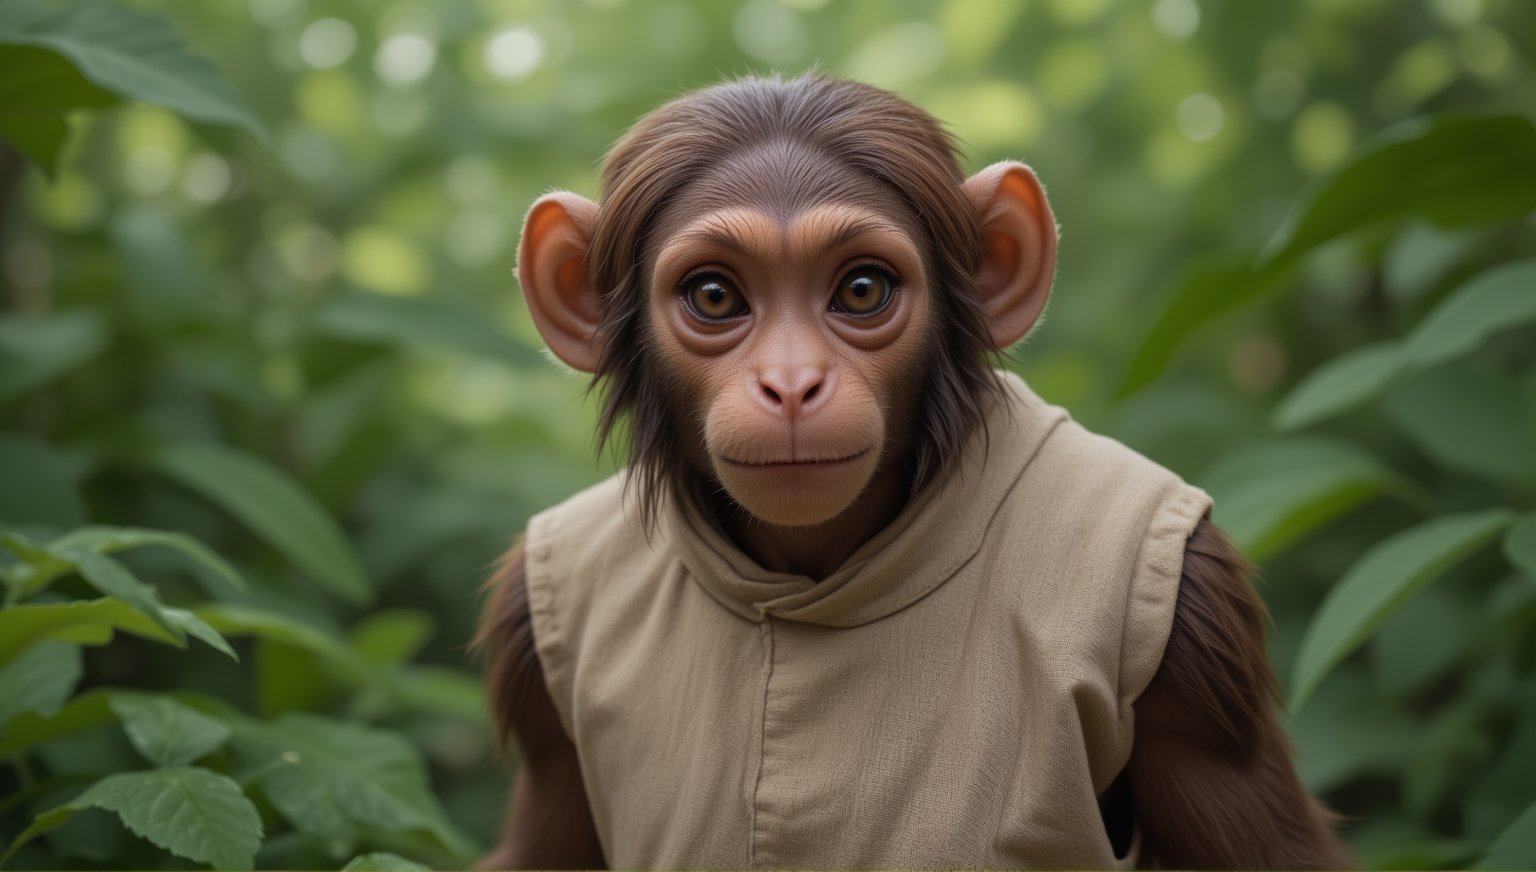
[713, 298]
[864, 290]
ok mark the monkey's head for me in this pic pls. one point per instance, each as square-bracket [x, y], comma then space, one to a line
[790, 288]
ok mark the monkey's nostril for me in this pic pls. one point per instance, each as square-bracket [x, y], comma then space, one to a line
[772, 394]
[811, 393]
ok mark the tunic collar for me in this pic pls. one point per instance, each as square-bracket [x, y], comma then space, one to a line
[938, 532]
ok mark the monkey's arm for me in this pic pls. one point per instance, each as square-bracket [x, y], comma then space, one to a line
[549, 824]
[1210, 772]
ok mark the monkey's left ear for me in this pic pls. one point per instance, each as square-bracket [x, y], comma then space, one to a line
[1020, 260]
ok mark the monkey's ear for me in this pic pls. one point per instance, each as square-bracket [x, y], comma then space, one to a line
[551, 265]
[1020, 260]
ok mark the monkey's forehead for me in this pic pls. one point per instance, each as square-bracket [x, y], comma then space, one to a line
[784, 181]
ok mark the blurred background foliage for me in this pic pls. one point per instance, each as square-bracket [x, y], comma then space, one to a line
[262, 357]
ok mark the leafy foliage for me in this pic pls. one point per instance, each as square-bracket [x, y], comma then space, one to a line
[264, 382]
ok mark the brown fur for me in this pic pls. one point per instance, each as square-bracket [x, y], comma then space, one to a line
[1210, 773]
[1210, 779]
[782, 146]
[549, 824]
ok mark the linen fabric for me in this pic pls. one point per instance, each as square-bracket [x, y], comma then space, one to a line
[957, 694]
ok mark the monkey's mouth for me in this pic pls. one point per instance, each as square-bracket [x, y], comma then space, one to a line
[813, 463]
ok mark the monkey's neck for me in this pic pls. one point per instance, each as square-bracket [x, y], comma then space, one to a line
[817, 551]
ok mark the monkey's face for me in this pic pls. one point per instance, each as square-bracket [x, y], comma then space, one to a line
[796, 341]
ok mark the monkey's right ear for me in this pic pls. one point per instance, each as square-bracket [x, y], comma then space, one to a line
[551, 265]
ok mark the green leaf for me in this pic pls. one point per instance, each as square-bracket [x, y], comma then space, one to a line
[1498, 299]
[37, 568]
[92, 622]
[1515, 848]
[1494, 300]
[442, 691]
[138, 55]
[87, 710]
[1520, 546]
[1339, 385]
[273, 506]
[382, 861]
[39, 681]
[1380, 581]
[114, 580]
[191, 812]
[165, 731]
[242, 620]
[39, 89]
[1448, 173]
[326, 776]
[417, 322]
[1456, 172]
[41, 486]
[1209, 291]
[36, 349]
[1470, 420]
[1269, 495]
[392, 637]
[109, 540]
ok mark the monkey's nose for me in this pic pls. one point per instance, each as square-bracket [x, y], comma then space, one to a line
[793, 391]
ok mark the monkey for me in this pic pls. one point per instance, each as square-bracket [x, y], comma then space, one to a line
[859, 599]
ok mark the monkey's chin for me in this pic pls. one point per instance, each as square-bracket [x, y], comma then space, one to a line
[797, 494]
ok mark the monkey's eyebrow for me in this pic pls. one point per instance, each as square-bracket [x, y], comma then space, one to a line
[829, 231]
[747, 234]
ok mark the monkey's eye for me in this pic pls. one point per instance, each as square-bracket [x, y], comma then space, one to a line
[864, 290]
[713, 297]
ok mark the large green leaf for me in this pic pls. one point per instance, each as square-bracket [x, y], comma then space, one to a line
[36, 349]
[1497, 299]
[1380, 581]
[114, 580]
[327, 776]
[1470, 420]
[392, 637]
[1339, 385]
[1515, 848]
[242, 620]
[39, 681]
[191, 812]
[39, 89]
[1520, 546]
[109, 540]
[86, 710]
[92, 622]
[273, 506]
[166, 732]
[1209, 291]
[1456, 172]
[135, 54]
[416, 322]
[1271, 494]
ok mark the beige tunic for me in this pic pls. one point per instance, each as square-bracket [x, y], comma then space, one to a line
[957, 694]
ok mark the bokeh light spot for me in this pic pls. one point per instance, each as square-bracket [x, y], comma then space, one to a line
[1177, 19]
[327, 43]
[404, 58]
[769, 31]
[1321, 137]
[514, 53]
[1199, 117]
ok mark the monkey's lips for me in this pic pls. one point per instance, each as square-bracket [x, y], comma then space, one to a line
[789, 465]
